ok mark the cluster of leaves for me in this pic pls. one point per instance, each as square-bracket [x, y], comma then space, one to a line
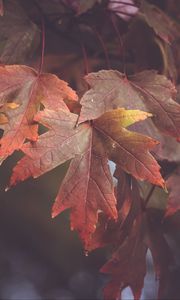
[132, 119]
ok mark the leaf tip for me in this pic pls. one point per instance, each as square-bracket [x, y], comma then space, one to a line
[53, 214]
[162, 184]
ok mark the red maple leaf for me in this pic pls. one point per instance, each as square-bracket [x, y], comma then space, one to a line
[87, 188]
[146, 90]
[27, 89]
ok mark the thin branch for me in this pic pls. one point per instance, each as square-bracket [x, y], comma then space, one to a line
[104, 48]
[85, 57]
[122, 53]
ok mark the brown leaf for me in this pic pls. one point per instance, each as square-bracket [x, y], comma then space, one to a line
[127, 265]
[129, 207]
[161, 252]
[165, 27]
[146, 91]
[19, 37]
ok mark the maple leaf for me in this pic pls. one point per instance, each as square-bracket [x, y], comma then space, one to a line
[128, 238]
[19, 37]
[165, 27]
[163, 257]
[127, 266]
[131, 237]
[61, 143]
[88, 188]
[128, 205]
[129, 150]
[146, 90]
[173, 187]
[146, 233]
[23, 86]
[88, 185]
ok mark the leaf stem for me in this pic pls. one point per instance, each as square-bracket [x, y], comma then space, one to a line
[99, 37]
[119, 41]
[86, 65]
[43, 45]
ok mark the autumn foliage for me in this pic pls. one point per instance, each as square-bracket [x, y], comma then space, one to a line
[125, 110]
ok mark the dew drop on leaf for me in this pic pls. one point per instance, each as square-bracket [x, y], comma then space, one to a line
[7, 189]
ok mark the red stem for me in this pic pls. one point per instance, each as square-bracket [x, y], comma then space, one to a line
[120, 42]
[86, 65]
[43, 46]
[104, 48]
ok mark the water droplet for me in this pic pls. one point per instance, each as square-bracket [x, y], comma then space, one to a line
[7, 189]
[86, 253]
[59, 21]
